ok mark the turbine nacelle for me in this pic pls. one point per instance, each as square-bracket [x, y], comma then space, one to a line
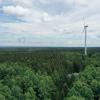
[85, 26]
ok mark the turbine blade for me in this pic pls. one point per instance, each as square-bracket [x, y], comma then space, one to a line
[84, 20]
[83, 30]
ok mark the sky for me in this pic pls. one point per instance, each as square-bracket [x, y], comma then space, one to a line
[53, 23]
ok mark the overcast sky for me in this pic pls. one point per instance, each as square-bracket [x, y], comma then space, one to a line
[49, 22]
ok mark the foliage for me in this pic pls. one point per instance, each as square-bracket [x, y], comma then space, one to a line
[88, 84]
[74, 98]
[25, 85]
[81, 89]
[49, 74]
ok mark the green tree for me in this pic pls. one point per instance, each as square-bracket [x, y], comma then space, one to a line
[81, 89]
[30, 94]
[2, 97]
[75, 98]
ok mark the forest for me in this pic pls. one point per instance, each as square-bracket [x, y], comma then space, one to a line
[49, 74]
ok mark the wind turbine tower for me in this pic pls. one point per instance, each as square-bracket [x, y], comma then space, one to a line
[85, 30]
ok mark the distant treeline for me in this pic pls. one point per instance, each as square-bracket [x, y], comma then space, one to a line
[30, 49]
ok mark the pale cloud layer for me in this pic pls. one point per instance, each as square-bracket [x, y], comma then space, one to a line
[49, 22]
[15, 10]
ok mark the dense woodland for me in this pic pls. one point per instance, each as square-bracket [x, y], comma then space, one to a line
[49, 74]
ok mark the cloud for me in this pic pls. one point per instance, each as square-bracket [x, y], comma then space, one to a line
[26, 14]
[1, 2]
[15, 10]
[24, 3]
[58, 22]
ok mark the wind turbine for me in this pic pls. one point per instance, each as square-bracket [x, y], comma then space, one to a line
[85, 44]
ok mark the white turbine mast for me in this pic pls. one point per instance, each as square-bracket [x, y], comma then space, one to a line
[85, 44]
